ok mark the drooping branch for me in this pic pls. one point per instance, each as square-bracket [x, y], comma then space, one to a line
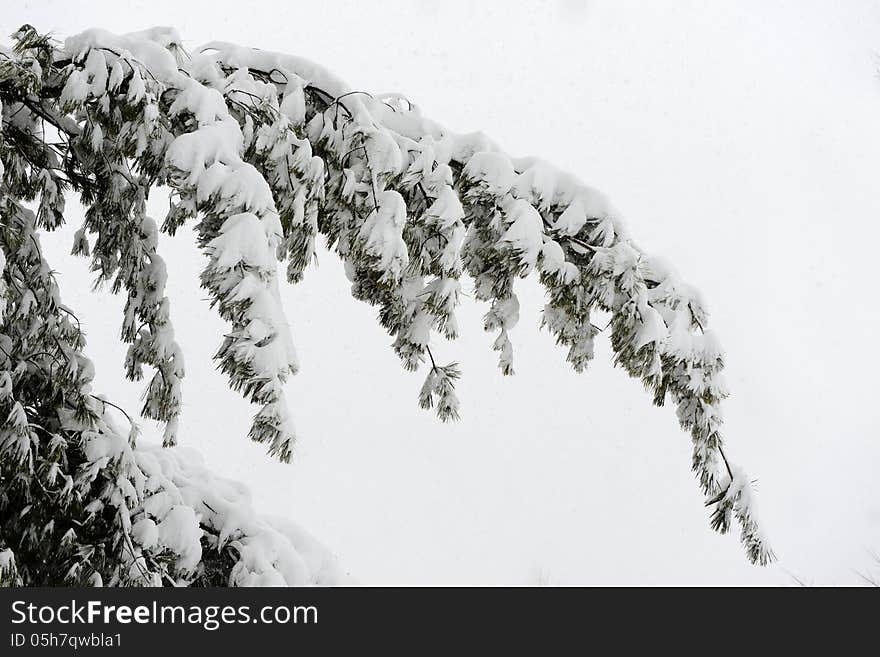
[267, 151]
[519, 216]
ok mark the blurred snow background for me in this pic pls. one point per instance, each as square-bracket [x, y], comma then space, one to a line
[742, 142]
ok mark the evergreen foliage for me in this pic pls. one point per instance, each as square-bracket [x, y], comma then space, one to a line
[263, 152]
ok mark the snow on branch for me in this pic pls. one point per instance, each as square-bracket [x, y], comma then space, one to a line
[266, 151]
[516, 216]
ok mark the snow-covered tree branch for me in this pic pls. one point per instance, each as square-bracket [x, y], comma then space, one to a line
[263, 152]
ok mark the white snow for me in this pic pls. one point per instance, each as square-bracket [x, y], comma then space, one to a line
[270, 551]
[382, 234]
[525, 231]
[492, 170]
[651, 329]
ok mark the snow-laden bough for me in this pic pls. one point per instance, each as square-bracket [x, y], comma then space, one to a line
[264, 152]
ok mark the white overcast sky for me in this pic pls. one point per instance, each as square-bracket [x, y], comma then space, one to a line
[742, 142]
